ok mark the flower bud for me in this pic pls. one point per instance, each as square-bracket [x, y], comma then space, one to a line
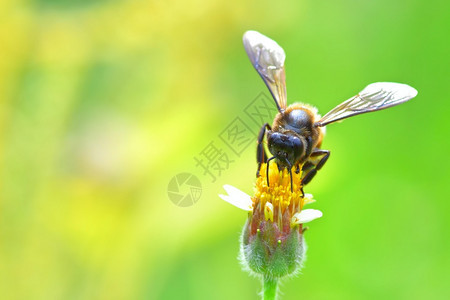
[272, 251]
[272, 239]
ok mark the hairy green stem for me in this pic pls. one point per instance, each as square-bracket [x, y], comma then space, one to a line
[270, 288]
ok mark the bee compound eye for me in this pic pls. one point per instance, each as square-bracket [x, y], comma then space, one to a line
[275, 140]
[298, 147]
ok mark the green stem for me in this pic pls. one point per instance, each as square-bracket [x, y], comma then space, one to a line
[270, 288]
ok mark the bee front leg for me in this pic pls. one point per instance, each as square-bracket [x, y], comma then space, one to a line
[315, 167]
[261, 154]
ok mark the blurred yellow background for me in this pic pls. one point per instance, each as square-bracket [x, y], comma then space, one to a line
[104, 101]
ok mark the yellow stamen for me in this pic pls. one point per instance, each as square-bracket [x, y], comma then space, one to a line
[279, 191]
[277, 199]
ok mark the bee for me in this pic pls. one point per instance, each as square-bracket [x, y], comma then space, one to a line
[296, 135]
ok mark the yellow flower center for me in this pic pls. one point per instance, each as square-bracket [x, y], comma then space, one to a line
[282, 202]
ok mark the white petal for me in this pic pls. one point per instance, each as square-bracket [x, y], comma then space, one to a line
[236, 193]
[308, 199]
[237, 198]
[305, 216]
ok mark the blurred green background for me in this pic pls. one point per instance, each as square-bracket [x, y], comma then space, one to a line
[103, 102]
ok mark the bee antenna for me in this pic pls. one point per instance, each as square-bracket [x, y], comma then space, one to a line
[267, 169]
[290, 174]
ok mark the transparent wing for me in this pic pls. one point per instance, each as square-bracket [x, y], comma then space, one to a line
[268, 59]
[375, 96]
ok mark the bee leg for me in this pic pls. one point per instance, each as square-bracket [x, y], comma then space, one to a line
[290, 175]
[297, 170]
[267, 170]
[261, 154]
[310, 175]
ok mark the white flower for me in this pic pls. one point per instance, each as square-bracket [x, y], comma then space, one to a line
[305, 216]
[237, 198]
[243, 201]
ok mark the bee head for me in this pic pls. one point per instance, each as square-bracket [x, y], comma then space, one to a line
[287, 148]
